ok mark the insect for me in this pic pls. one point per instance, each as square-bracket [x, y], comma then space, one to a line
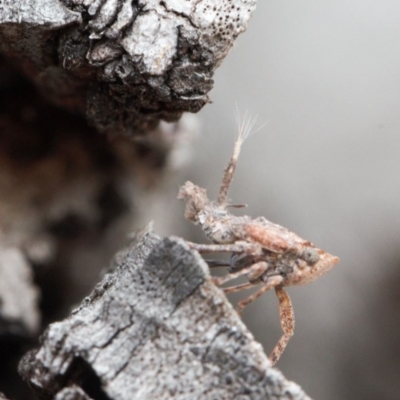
[266, 253]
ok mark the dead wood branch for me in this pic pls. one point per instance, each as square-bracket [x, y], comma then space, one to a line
[126, 64]
[155, 327]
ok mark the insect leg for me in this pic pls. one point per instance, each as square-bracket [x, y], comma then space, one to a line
[271, 282]
[238, 247]
[238, 288]
[253, 272]
[287, 322]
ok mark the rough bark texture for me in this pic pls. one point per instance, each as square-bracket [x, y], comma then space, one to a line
[155, 327]
[53, 167]
[62, 184]
[126, 64]
[68, 198]
[72, 393]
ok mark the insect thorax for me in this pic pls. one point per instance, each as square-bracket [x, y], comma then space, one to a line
[216, 225]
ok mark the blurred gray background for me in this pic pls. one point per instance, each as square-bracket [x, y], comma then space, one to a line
[326, 78]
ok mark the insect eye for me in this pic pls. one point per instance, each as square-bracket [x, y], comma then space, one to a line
[310, 256]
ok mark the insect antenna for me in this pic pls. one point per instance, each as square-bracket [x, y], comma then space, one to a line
[245, 129]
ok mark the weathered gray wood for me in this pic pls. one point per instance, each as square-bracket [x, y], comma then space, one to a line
[155, 327]
[126, 64]
[67, 194]
[66, 191]
[50, 14]
[72, 393]
[19, 315]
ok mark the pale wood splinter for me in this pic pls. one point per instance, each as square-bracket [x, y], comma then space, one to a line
[265, 252]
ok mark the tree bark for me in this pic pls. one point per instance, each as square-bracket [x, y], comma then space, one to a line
[126, 64]
[68, 198]
[155, 327]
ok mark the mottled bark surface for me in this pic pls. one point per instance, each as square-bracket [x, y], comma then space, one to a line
[72, 393]
[68, 198]
[125, 64]
[64, 186]
[155, 327]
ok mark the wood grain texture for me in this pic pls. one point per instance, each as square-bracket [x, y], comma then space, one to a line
[155, 327]
[125, 64]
